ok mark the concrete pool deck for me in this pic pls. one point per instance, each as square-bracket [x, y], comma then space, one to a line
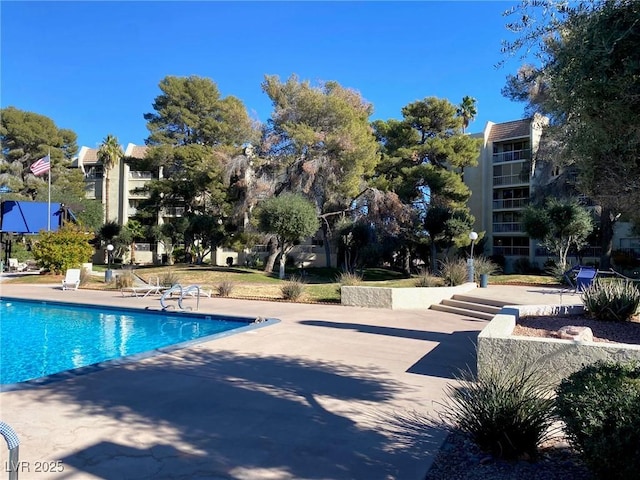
[330, 392]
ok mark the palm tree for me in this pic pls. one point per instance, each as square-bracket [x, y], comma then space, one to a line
[467, 110]
[109, 153]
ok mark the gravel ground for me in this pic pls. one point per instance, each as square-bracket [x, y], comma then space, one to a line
[612, 332]
[460, 459]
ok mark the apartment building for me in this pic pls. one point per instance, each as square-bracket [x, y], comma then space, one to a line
[506, 177]
[120, 201]
[117, 192]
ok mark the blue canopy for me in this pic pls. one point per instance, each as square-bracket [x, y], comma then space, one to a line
[29, 217]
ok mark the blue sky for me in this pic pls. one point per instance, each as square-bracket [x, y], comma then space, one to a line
[94, 67]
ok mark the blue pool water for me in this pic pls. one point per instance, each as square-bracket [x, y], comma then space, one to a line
[44, 338]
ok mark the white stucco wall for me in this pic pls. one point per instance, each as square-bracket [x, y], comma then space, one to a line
[559, 358]
[399, 298]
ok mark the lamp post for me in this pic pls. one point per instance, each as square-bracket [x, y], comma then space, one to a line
[108, 274]
[473, 236]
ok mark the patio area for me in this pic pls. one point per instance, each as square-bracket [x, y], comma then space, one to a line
[330, 392]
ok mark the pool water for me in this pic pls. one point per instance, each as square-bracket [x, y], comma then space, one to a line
[38, 339]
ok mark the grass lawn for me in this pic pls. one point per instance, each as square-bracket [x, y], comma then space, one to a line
[321, 283]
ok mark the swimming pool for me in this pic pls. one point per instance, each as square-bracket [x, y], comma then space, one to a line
[39, 339]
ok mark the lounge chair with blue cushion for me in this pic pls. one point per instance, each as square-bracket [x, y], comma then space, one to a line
[72, 279]
[585, 277]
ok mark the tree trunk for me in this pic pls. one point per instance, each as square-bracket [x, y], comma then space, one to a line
[434, 258]
[607, 222]
[327, 246]
[106, 196]
[406, 262]
[271, 259]
[283, 261]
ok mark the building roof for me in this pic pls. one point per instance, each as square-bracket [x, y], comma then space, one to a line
[507, 130]
[89, 156]
[136, 151]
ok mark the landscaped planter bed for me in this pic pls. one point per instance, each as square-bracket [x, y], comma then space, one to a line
[498, 346]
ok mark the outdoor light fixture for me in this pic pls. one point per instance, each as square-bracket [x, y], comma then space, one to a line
[473, 236]
[108, 274]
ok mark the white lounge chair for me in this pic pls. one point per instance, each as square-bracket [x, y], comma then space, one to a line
[15, 266]
[71, 279]
[143, 289]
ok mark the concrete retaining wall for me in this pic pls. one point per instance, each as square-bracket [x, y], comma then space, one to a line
[497, 346]
[400, 298]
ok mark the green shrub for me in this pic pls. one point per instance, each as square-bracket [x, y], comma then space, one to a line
[225, 288]
[522, 266]
[453, 272]
[292, 289]
[125, 279]
[611, 300]
[600, 406]
[61, 250]
[169, 278]
[508, 411]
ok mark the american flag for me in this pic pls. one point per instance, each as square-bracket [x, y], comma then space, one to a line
[41, 166]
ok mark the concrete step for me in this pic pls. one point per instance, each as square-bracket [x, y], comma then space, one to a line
[482, 301]
[478, 307]
[462, 311]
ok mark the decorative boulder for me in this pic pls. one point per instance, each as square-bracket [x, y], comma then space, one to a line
[577, 334]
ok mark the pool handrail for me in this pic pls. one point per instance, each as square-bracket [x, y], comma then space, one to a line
[183, 291]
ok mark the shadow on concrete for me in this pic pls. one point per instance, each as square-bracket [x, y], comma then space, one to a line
[455, 351]
[247, 417]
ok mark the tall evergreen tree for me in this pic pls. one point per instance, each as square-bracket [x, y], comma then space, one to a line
[321, 144]
[587, 82]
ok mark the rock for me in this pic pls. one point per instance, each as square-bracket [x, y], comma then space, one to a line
[577, 334]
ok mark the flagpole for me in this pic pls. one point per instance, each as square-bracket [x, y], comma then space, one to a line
[49, 199]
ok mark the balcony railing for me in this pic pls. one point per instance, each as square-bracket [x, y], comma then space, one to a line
[507, 227]
[521, 178]
[512, 156]
[173, 212]
[136, 175]
[509, 251]
[510, 203]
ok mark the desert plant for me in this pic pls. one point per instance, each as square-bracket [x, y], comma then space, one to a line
[453, 272]
[349, 279]
[426, 280]
[507, 411]
[600, 406]
[169, 278]
[224, 288]
[611, 300]
[85, 276]
[292, 289]
[559, 273]
[125, 279]
[484, 266]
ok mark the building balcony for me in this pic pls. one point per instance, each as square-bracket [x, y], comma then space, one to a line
[512, 156]
[172, 212]
[511, 251]
[136, 175]
[510, 203]
[507, 180]
[507, 227]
